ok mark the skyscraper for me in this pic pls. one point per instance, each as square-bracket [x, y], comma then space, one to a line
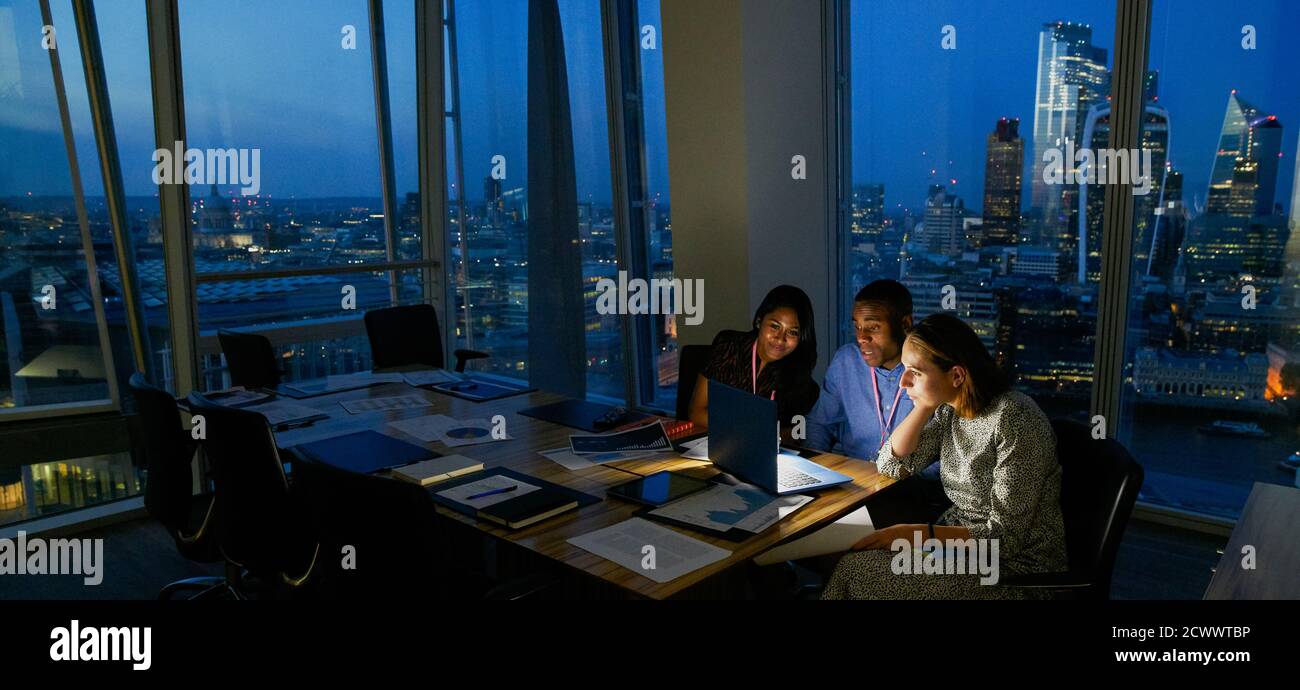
[944, 229]
[1004, 164]
[868, 210]
[493, 202]
[1168, 226]
[1151, 86]
[1269, 150]
[1222, 250]
[1246, 134]
[1293, 242]
[1295, 194]
[1072, 76]
[1091, 198]
[1243, 190]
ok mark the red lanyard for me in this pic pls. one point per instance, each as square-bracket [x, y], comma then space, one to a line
[753, 371]
[875, 389]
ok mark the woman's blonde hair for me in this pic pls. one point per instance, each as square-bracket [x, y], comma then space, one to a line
[948, 342]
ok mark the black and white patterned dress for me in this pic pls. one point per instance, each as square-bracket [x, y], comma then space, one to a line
[1001, 473]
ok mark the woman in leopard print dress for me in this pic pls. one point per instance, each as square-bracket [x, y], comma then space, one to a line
[997, 460]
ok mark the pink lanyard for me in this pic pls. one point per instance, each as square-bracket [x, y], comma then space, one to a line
[753, 371]
[875, 389]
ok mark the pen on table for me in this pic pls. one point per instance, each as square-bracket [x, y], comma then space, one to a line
[504, 490]
[285, 426]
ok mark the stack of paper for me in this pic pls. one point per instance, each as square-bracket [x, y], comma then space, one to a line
[572, 461]
[837, 537]
[236, 397]
[650, 437]
[431, 376]
[341, 426]
[724, 507]
[393, 402]
[647, 549]
[282, 412]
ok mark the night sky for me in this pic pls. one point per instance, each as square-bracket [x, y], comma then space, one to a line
[270, 76]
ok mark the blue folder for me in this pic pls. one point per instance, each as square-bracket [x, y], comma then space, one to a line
[364, 452]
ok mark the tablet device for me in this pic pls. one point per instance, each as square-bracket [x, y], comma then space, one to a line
[658, 489]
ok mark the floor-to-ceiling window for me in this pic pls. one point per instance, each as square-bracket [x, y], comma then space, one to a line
[61, 325]
[287, 214]
[530, 227]
[1214, 331]
[956, 114]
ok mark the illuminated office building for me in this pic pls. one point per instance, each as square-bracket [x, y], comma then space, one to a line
[1004, 164]
[944, 228]
[1247, 134]
[1224, 381]
[1222, 251]
[1092, 197]
[1072, 76]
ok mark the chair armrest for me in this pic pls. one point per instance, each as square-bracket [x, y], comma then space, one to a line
[463, 356]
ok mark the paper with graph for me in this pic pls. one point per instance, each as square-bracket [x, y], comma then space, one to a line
[650, 437]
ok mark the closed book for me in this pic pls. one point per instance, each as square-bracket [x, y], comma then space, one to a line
[437, 470]
[523, 511]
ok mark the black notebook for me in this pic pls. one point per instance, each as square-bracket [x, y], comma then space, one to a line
[364, 452]
[533, 506]
[515, 512]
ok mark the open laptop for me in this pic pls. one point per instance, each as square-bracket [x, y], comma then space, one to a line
[744, 440]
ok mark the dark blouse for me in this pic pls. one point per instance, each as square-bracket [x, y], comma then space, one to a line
[731, 362]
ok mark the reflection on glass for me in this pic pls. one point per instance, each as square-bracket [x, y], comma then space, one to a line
[51, 352]
[1214, 334]
[948, 191]
[490, 225]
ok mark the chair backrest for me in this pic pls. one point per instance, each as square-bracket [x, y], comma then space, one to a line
[1099, 486]
[404, 335]
[250, 359]
[165, 452]
[258, 526]
[391, 525]
[691, 360]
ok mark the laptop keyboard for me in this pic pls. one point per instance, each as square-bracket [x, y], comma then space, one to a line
[790, 478]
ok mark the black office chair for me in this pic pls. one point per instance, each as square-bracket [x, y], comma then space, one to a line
[691, 360]
[1099, 486]
[164, 451]
[391, 526]
[262, 526]
[410, 335]
[250, 359]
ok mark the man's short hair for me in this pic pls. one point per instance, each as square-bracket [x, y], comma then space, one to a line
[894, 296]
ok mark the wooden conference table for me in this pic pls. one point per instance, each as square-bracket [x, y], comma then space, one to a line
[1267, 524]
[548, 537]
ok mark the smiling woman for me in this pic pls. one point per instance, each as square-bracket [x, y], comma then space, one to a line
[773, 360]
